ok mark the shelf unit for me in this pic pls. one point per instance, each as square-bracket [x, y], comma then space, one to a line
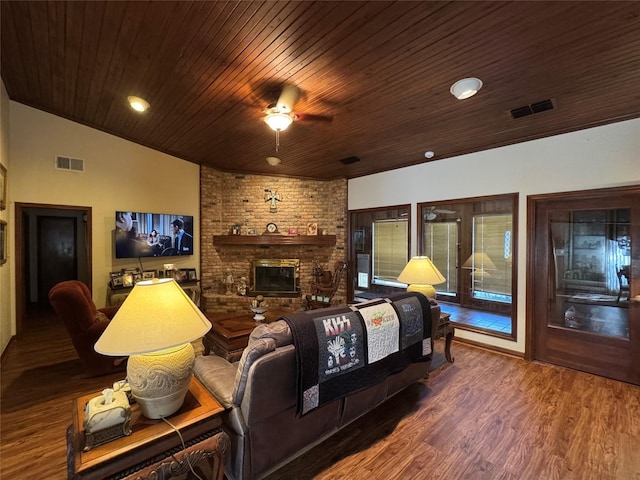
[266, 240]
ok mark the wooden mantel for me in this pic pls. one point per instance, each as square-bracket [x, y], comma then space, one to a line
[266, 240]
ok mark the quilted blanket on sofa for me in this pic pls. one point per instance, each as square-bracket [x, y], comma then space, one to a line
[345, 349]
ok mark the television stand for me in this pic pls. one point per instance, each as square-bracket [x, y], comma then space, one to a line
[117, 296]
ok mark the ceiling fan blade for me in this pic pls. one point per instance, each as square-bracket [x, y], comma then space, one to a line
[309, 117]
[289, 95]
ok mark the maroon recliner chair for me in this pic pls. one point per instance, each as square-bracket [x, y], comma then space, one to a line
[73, 304]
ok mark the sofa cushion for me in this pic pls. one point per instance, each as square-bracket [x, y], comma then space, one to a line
[254, 350]
[279, 331]
[218, 376]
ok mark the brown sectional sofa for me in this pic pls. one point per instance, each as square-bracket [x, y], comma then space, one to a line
[259, 394]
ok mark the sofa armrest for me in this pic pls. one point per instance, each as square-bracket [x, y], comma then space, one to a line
[218, 376]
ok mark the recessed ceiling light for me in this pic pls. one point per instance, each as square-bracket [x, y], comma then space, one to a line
[465, 88]
[429, 154]
[138, 104]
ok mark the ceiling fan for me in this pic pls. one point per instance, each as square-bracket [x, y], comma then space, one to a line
[432, 212]
[280, 115]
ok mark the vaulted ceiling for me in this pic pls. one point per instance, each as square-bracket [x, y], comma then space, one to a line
[380, 70]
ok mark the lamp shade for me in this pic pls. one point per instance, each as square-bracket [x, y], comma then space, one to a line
[156, 315]
[422, 271]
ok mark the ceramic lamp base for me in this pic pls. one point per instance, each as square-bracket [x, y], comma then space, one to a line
[159, 380]
[426, 290]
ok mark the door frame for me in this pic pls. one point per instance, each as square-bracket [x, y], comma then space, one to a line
[20, 254]
[533, 255]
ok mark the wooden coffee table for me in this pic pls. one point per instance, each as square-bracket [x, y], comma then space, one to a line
[229, 334]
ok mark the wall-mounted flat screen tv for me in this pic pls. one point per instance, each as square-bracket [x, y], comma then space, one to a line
[140, 234]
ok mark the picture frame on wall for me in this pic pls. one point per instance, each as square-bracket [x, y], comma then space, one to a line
[312, 228]
[3, 242]
[3, 187]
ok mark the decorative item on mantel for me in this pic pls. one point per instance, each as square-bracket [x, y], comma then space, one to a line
[259, 306]
[273, 197]
[228, 282]
[242, 286]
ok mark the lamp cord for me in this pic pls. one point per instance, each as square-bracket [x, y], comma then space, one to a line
[184, 447]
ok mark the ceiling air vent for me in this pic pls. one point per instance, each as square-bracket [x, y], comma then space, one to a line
[350, 160]
[531, 109]
[69, 164]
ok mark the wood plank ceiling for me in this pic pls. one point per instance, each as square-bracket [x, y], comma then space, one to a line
[381, 69]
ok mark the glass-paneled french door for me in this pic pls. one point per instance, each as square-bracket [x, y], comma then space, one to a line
[584, 287]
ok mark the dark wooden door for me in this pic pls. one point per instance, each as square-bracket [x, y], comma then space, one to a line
[585, 275]
[57, 253]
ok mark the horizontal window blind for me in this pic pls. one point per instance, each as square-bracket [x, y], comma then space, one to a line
[390, 245]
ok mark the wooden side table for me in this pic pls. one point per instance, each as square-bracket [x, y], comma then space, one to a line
[446, 330]
[229, 334]
[150, 441]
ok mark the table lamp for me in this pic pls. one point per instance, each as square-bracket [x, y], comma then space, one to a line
[479, 262]
[155, 326]
[420, 275]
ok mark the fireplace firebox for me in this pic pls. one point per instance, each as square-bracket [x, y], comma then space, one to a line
[279, 277]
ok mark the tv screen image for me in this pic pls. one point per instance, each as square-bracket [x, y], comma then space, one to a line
[141, 234]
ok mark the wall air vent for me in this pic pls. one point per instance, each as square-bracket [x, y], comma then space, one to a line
[69, 164]
[531, 109]
[349, 160]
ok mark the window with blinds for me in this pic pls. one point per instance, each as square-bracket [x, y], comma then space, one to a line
[441, 246]
[492, 238]
[389, 253]
[472, 241]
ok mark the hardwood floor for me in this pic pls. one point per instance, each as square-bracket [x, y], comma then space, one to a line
[486, 416]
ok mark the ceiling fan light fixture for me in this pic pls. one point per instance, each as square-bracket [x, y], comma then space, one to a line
[138, 104]
[465, 88]
[273, 161]
[278, 121]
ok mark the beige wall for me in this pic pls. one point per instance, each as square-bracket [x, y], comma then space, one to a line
[119, 175]
[594, 158]
[6, 330]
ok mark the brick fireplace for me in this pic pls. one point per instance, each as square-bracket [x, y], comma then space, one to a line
[237, 202]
